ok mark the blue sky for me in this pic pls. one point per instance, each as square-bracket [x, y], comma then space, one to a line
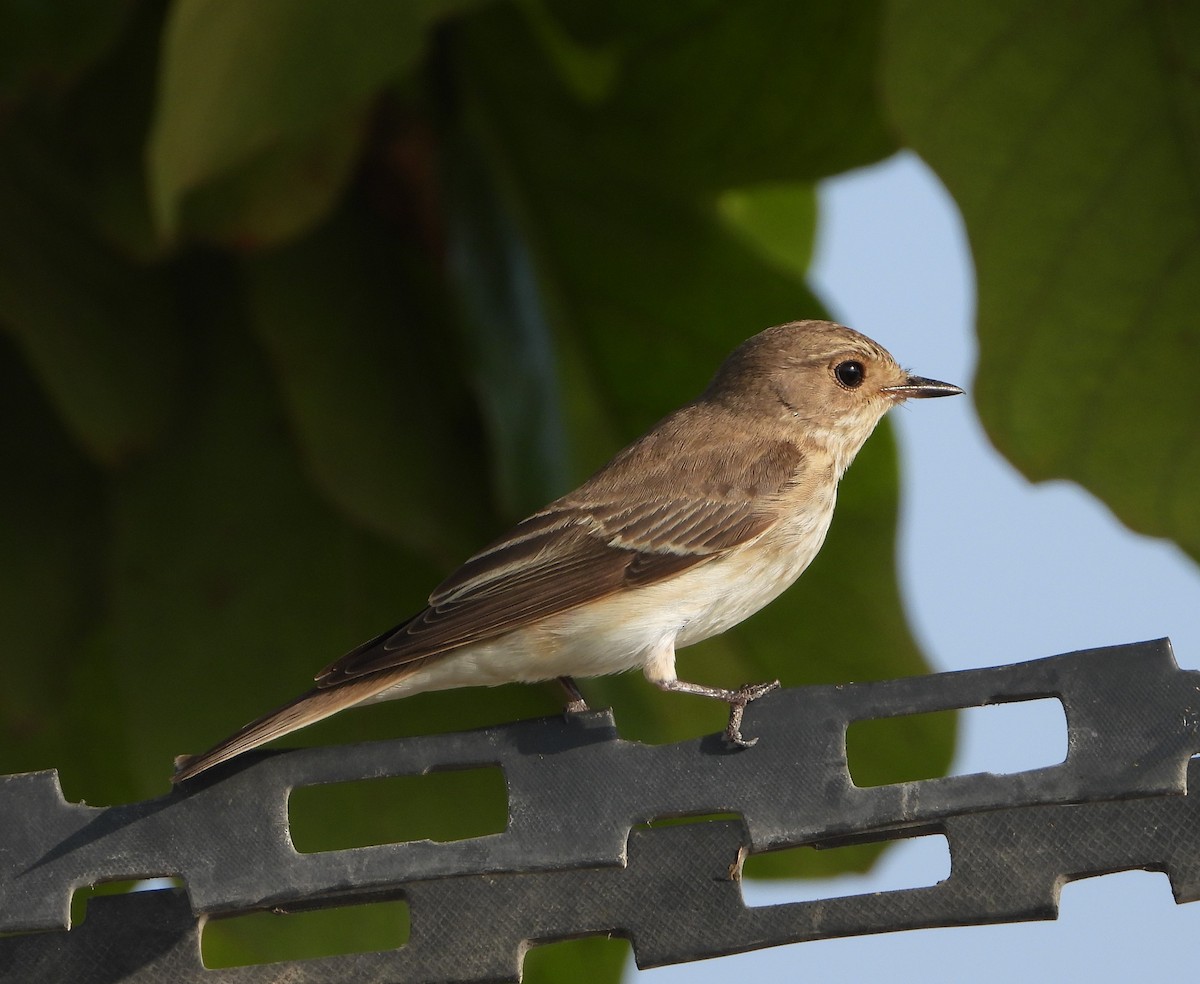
[994, 570]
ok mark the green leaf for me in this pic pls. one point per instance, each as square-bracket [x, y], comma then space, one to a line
[239, 79]
[1070, 138]
[279, 193]
[45, 47]
[97, 135]
[694, 107]
[56, 707]
[98, 330]
[589, 69]
[369, 377]
[726, 100]
[776, 219]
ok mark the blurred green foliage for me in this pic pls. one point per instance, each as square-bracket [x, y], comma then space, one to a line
[302, 302]
[1070, 138]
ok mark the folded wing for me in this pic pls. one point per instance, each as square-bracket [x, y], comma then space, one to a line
[582, 548]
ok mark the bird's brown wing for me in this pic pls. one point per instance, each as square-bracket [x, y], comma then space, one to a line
[582, 548]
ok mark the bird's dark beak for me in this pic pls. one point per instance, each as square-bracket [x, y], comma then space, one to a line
[920, 388]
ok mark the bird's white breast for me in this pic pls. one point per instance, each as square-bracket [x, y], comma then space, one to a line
[641, 627]
[738, 585]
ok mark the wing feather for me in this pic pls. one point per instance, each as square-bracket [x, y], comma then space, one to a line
[612, 534]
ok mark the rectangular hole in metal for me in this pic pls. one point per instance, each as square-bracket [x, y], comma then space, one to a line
[1146, 889]
[446, 805]
[589, 958]
[914, 862]
[270, 937]
[81, 896]
[1014, 736]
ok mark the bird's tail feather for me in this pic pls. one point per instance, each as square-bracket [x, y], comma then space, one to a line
[308, 708]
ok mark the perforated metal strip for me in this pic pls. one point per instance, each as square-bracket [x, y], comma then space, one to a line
[678, 899]
[575, 791]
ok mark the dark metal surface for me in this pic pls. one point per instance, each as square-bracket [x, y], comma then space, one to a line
[678, 899]
[573, 866]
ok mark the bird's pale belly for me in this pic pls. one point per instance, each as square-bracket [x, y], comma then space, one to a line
[641, 628]
[745, 581]
[739, 588]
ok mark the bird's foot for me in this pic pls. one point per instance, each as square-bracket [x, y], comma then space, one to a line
[737, 707]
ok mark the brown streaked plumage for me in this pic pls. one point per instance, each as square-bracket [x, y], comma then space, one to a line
[689, 530]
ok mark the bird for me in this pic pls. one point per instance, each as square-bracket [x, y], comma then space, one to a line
[692, 528]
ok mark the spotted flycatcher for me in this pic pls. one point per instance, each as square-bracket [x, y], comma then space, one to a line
[689, 530]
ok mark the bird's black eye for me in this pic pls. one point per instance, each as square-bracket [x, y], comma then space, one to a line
[850, 373]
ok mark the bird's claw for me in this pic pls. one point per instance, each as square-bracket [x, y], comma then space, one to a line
[737, 707]
[734, 736]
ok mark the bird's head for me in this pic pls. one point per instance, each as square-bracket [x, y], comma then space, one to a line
[828, 382]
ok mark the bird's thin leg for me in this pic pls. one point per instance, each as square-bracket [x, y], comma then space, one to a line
[736, 699]
[575, 701]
